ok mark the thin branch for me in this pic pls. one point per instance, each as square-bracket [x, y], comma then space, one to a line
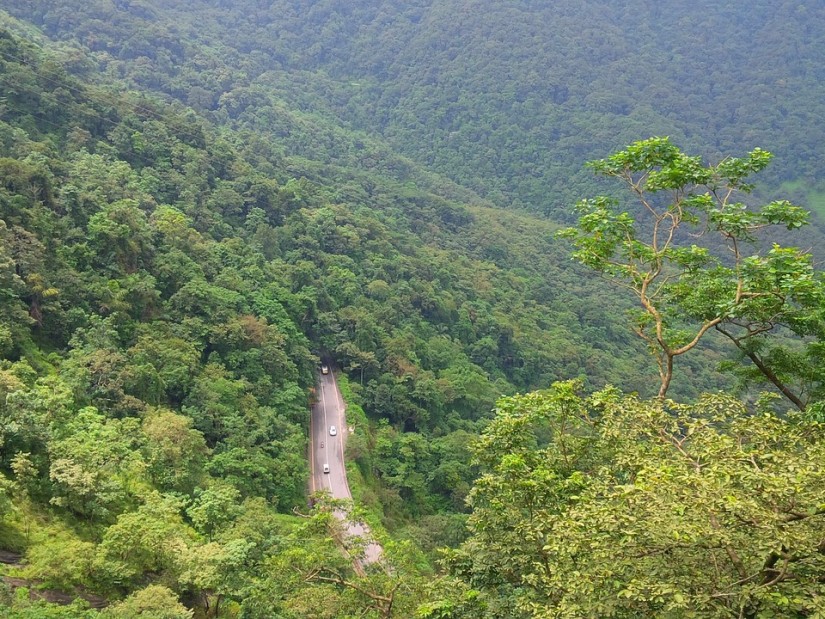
[669, 438]
[734, 557]
[765, 370]
[797, 516]
[704, 329]
[381, 603]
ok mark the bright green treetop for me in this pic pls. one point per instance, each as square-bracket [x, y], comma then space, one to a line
[612, 506]
[686, 288]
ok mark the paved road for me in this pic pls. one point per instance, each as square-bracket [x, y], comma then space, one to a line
[327, 449]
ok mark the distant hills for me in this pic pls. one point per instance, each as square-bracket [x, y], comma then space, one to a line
[507, 98]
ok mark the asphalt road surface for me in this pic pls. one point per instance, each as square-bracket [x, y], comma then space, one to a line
[326, 449]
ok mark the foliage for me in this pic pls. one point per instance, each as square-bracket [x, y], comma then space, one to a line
[507, 99]
[44, 610]
[685, 290]
[169, 286]
[187, 226]
[613, 506]
[152, 602]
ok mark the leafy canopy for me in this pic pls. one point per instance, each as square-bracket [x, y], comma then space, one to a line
[613, 506]
[682, 249]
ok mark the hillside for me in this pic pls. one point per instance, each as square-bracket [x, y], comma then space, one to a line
[506, 98]
[200, 201]
[170, 287]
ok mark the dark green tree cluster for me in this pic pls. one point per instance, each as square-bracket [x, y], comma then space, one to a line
[505, 98]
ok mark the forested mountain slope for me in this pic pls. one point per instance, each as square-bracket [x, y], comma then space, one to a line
[200, 200]
[168, 288]
[507, 98]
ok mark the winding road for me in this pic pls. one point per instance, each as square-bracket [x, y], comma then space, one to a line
[328, 450]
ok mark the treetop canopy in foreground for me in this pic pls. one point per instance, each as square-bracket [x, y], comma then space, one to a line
[614, 506]
[687, 249]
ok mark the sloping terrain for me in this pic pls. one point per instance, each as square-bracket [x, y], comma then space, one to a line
[200, 200]
[506, 98]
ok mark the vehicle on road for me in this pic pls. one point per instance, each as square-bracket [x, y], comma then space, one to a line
[324, 368]
[326, 468]
[333, 431]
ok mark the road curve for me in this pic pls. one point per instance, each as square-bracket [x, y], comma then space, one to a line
[326, 449]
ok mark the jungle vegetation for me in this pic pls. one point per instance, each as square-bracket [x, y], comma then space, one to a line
[200, 200]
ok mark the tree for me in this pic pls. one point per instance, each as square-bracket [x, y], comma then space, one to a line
[613, 506]
[150, 539]
[216, 403]
[214, 508]
[94, 461]
[121, 235]
[686, 289]
[217, 571]
[311, 576]
[173, 358]
[14, 320]
[152, 602]
[175, 451]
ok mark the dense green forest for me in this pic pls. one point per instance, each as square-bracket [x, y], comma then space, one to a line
[507, 98]
[199, 201]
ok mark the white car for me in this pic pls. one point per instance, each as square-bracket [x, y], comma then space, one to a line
[324, 369]
[333, 431]
[326, 468]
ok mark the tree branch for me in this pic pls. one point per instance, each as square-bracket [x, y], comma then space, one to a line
[764, 369]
